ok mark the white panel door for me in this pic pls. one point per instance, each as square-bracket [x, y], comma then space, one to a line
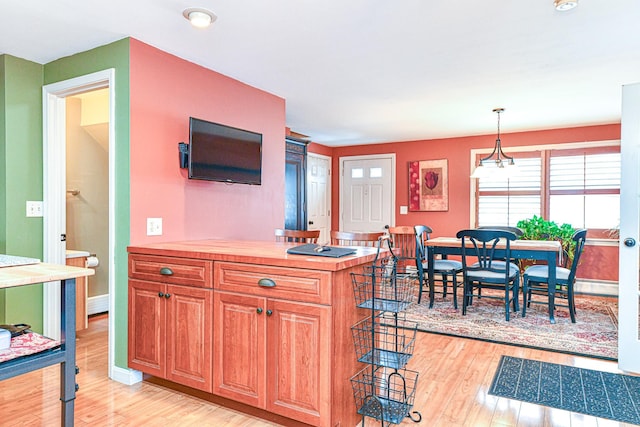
[319, 195]
[367, 192]
[629, 287]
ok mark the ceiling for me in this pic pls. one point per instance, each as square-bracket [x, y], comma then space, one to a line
[355, 71]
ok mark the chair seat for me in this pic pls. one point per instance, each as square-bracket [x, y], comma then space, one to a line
[488, 275]
[444, 265]
[540, 273]
[500, 264]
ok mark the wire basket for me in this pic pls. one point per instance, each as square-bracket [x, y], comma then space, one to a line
[385, 340]
[384, 394]
[384, 287]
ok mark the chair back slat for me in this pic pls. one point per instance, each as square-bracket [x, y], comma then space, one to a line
[298, 236]
[349, 238]
[422, 234]
[403, 241]
[580, 237]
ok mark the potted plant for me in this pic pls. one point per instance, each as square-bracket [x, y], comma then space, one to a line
[538, 228]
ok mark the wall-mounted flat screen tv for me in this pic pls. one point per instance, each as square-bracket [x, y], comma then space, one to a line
[224, 153]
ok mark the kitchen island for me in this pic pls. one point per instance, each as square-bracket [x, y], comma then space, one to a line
[247, 322]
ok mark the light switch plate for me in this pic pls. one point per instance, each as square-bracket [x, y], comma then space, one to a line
[154, 226]
[403, 210]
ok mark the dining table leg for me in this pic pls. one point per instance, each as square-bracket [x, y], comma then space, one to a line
[431, 276]
[551, 262]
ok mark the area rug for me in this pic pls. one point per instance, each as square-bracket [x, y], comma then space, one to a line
[594, 334]
[590, 392]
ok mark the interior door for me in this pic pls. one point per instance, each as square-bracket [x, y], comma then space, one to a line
[367, 194]
[319, 195]
[629, 287]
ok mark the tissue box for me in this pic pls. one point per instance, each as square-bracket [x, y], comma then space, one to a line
[5, 339]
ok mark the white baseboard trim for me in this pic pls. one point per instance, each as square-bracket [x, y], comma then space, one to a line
[596, 287]
[98, 304]
[125, 376]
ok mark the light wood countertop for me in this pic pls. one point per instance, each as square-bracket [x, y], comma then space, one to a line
[39, 273]
[256, 252]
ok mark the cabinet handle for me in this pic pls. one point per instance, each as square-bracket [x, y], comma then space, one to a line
[269, 312]
[160, 294]
[259, 310]
[267, 283]
[167, 295]
[166, 271]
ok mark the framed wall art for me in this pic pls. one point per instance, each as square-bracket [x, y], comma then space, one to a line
[428, 185]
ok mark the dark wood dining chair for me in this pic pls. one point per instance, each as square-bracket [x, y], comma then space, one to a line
[349, 238]
[299, 236]
[536, 278]
[446, 269]
[480, 271]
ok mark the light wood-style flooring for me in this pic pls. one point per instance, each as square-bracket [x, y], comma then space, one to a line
[455, 375]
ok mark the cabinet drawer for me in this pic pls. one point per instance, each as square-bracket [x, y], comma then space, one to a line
[276, 282]
[179, 271]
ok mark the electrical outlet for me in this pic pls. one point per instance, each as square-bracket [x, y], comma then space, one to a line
[154, 226]
[34, 209]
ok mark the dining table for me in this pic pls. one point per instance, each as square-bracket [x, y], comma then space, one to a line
[541, 250]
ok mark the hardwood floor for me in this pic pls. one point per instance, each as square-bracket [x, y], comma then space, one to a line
[455, 375]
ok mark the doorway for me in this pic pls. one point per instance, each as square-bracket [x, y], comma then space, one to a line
[367, 192]
[87, 192]
[55, 190]
[319, 195]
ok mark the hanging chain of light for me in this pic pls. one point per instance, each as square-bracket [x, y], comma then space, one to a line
[501, 157]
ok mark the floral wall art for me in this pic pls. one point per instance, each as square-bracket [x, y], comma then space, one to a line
[428, 185]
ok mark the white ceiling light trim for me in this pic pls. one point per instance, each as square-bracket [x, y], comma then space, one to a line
[199, 17]
[564, 5]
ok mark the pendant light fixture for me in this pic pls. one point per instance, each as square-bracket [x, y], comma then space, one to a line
[504, 165]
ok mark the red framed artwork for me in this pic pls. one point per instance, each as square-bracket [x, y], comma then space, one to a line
[428, 185]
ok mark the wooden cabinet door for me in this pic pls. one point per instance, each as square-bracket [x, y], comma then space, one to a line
[240, 347]
[189, 336]
[146, 327]
[299, 361]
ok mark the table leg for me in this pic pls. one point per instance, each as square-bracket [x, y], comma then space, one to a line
[68, 337]
[551, 290]
[431, 274]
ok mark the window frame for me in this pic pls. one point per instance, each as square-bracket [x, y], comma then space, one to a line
[545, 151]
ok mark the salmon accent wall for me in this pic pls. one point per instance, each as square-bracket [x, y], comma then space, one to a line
[458, 152]
[164, 92]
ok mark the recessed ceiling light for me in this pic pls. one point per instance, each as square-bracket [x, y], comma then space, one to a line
[199, 17]
[564, 5]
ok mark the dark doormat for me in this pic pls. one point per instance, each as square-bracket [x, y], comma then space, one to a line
[601, 394]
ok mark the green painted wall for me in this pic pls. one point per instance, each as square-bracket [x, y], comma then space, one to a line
[3, 178]
[21, 180]
[116, 56]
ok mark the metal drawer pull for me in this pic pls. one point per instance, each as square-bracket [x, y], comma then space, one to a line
[267, 283]
[160, 294]
[166, 271]
[269, 312]
[259, 310]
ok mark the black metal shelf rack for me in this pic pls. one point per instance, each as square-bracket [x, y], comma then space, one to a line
[385, 340]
